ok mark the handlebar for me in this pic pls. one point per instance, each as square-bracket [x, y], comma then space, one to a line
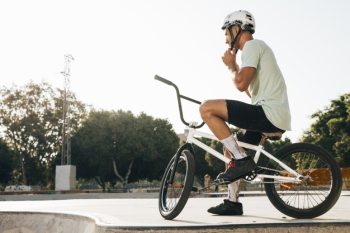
[156, 77]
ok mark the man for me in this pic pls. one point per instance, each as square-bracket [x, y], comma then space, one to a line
[262, 80]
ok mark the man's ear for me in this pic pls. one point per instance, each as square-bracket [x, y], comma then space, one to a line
[236, 29]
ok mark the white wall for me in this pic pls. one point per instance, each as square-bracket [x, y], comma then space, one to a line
[65, 177]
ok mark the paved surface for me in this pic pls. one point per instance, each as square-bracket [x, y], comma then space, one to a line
[38, 197]
[115, 215]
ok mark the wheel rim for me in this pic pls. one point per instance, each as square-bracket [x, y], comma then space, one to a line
[310, 192]
[170, 193]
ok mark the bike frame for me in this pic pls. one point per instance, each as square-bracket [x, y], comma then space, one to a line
[191, 132]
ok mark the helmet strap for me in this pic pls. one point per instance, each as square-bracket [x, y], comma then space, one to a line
[234, 40]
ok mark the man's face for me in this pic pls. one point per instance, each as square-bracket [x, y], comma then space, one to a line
[228, 37]
[234, 30]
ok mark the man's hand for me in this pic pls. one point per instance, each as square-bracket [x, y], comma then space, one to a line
[229, 60]
[240, 77]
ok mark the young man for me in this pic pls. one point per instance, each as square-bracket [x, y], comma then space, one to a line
[262, 80]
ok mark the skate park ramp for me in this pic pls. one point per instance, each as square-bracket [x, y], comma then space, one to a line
[82, 214]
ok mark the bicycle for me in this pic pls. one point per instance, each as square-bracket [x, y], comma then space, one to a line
[302, 180]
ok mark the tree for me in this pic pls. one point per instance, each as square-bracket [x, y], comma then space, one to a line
[119, 146]
[156, 144]
[32, 118]
[331, 129]
[6, 163]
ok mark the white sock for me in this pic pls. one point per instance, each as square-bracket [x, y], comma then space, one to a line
[233, 191]
[232, 146]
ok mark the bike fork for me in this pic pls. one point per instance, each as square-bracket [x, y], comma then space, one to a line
[176, 160]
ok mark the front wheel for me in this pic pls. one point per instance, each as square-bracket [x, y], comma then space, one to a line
[173, 197]
[316, 193]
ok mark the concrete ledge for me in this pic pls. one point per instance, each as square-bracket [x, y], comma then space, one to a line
[13, 222]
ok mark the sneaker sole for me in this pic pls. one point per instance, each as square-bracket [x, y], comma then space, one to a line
[226, 181]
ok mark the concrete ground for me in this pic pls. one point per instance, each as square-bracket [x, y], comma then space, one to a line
[135, 214]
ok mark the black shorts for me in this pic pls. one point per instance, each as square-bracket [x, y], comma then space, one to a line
[251, 119]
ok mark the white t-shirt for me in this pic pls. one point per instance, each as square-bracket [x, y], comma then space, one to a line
[267, 87]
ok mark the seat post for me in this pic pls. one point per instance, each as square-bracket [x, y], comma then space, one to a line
[263, 140]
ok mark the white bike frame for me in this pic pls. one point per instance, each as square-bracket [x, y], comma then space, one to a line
[191, 132]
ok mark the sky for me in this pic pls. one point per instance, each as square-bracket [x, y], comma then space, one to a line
[118, 46]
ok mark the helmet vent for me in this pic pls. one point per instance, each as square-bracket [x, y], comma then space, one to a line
[238, 21]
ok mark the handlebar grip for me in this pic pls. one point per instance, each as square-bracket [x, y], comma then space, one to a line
[163, 80]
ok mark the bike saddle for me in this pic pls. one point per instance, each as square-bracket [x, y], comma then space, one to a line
[273, 136]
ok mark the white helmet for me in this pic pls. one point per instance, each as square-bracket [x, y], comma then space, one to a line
[243, 19]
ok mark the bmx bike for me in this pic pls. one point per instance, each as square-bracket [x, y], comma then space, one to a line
[301, 180]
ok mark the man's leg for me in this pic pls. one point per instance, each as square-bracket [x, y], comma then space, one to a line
[233, 188]
[214, 113]
[231, 206]
[233, 191]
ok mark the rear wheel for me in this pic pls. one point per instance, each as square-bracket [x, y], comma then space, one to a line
[316, 193]
[173, 197]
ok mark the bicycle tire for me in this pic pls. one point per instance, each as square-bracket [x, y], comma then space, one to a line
[172, 199]
[317, 193]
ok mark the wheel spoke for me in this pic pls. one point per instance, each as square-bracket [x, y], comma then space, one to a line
[312, 192]
[171, 193]
[318, 189]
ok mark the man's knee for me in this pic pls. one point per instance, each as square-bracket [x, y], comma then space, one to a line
[205, 109]
[213, 108]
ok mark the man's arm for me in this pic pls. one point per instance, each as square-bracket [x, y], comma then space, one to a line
[246, 91]
[241, 78]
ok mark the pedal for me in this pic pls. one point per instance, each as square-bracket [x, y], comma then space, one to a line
[250, 176]
[194, 189]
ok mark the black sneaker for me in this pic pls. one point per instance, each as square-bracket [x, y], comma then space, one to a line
[241, 168]
[227, 208]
